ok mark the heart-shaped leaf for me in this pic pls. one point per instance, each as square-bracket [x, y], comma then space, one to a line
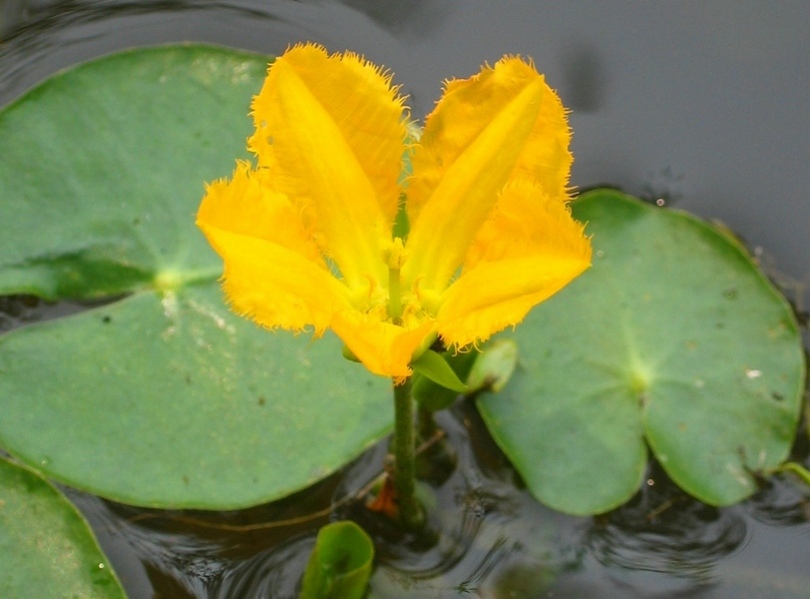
[162, 398]
[673, 340]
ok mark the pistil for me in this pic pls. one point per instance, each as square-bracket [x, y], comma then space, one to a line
[395, 257]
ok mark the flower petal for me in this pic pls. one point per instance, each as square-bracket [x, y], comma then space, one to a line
[331, 130]
[529, 249]
[505, 122]
[383, 348]
[273, 271]
[248, 205]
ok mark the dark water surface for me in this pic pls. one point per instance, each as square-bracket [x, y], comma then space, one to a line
[704, 105]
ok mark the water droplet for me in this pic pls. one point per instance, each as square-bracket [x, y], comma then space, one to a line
[600, 254]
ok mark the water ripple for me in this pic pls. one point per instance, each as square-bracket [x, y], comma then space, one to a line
[663, 531]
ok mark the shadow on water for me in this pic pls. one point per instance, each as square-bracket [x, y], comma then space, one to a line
[489, 538]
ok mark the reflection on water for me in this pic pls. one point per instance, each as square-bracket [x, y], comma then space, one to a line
[405, 18]
[585, 78]
[273, 573]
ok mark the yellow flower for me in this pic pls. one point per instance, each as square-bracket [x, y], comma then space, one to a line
[306, 233]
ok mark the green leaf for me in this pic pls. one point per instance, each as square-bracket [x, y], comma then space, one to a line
[488, 369]
[432, 365]
[100, 199]
[46, 547]
[673, 339]
[162, 398]
[340, 564]
[433, 396]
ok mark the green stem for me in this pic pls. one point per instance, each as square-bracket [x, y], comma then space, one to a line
[404, 475]
[796, 469]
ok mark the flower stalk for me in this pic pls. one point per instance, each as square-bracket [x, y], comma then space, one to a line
[404, 472]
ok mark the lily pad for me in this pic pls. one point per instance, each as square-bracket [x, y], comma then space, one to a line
[46, 547]
[160, 397]
[673, 340]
